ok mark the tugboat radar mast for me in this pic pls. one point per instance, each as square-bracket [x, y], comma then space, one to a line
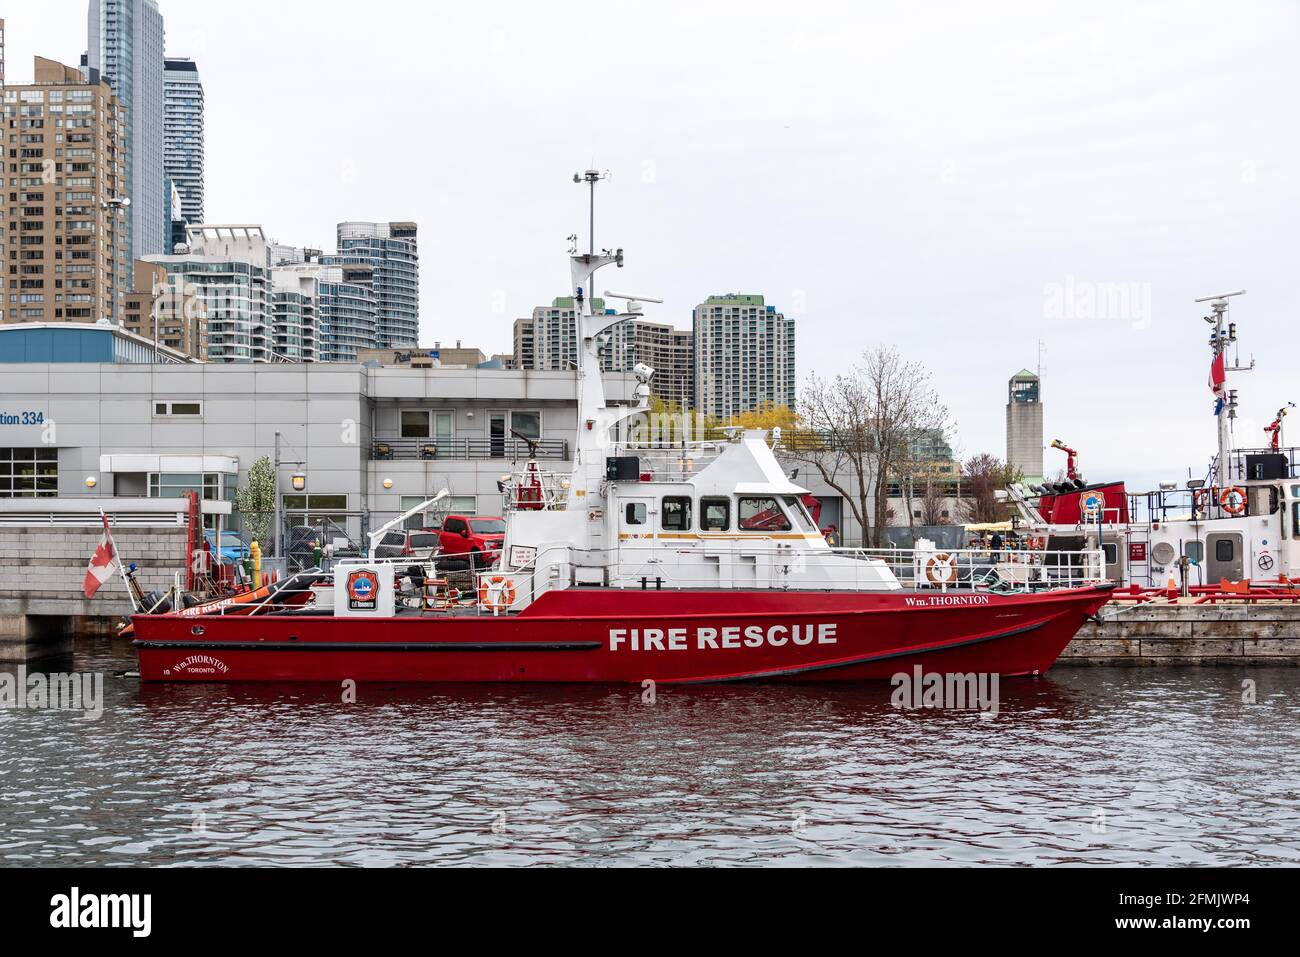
[1225, 409]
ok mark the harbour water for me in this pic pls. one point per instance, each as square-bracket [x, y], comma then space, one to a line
[1091, 765]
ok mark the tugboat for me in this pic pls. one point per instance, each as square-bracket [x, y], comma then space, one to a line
[669, 563]
[1234, 531]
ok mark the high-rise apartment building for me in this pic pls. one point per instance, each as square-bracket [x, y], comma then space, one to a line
[744, 356]
[348, 311]
[393, 252]
[62, 219]
[296, 304]
[125, 48]
[669, 351]
[548, 340]
[183, 135]
[225, 279]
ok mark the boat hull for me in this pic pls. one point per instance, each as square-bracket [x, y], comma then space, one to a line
[605, 636]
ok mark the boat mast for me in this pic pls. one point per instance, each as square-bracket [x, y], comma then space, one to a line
[595, 418]
[1226, 413]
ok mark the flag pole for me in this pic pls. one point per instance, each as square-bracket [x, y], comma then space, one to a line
[121, 566]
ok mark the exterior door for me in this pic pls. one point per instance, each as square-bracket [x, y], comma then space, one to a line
[636, 538]
[1223, 557]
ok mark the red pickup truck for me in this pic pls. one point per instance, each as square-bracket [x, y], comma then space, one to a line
[479, 538]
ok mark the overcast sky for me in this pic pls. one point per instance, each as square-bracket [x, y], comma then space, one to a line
[954, 179]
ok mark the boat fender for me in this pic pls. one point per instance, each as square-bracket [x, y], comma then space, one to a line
[1233, 500]
[496, 593]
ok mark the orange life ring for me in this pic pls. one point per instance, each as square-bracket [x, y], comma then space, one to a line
[1233, 500]
[941, 569]
[1201, 498]
[496, 593]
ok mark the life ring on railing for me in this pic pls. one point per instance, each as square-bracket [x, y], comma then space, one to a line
[496, 593]
[1201, 498]
[1233, 500]
[941, 569]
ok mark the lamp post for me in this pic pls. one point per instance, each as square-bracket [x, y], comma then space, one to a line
[299, 481]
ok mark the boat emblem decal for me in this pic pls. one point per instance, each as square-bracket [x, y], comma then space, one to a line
[1090, 503]
[363, 591]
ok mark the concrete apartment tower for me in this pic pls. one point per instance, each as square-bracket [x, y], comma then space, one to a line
[1025, 425]
[744, 356]
[548, 341]
[63, 240]
[183, 136]
[126, 48]
[392, 250]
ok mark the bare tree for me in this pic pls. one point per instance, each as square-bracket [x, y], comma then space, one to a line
[932, 504]
[867, 425]
[984, 476]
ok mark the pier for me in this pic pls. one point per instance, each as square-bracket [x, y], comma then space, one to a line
[1174, 634]
[41, 572]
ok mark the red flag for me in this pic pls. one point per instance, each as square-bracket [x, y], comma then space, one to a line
[103, 563]
[1217, 375]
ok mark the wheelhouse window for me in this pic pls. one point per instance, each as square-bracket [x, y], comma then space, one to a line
[761, 514]
[677, 514]
[800, 513]
[635, 514]
[715, 514]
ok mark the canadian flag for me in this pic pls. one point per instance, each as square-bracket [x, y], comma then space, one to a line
[1218, 379]
[103, 564]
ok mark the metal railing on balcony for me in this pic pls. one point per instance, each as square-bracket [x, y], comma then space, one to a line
[478, 448]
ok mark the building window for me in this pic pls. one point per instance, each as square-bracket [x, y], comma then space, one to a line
[186, 409]
[462, 505]
[314, 510]
[29, 473]
[527, 424]
[415, 425]
[211, 487]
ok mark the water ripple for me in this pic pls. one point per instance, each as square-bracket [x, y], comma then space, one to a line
[1089, 766]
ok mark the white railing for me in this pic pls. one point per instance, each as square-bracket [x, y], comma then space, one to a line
[780, 567]
[1007, 570]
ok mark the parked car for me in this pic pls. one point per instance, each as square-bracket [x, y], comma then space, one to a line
[477, 539]
[420, 544]
[232, 548]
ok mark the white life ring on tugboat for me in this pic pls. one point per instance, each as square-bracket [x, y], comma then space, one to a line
[1201, 498]
[1233, 500]
[941, 569]
[496, 593]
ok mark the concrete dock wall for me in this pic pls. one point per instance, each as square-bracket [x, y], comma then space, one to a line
[41, 574]
[1190, 635]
